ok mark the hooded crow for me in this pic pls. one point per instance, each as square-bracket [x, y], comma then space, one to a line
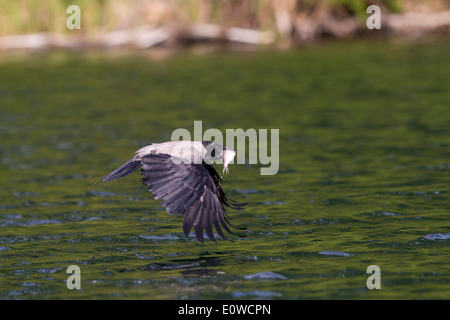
[180, 173]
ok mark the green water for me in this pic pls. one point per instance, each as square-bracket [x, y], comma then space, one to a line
[363, 178]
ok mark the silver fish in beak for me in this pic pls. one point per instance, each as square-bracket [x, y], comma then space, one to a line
[228, 156]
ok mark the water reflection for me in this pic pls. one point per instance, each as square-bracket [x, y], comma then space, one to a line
[198, 266]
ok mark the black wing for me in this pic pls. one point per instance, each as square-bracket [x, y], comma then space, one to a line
[190, 189]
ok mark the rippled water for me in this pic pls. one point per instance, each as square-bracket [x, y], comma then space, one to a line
[363, 180]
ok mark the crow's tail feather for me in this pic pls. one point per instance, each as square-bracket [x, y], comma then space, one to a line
[128, 167]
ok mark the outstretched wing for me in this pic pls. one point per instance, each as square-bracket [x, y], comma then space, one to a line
[190, 189]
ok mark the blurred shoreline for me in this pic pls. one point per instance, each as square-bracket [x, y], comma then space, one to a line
[172, 24]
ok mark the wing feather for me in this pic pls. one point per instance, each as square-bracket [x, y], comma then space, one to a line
[190, 189]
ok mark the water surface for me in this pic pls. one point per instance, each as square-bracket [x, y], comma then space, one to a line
[363, 180]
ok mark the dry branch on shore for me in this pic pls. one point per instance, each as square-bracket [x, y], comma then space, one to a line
[302, 29]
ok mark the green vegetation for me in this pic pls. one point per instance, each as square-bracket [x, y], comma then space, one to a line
[29, 16]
